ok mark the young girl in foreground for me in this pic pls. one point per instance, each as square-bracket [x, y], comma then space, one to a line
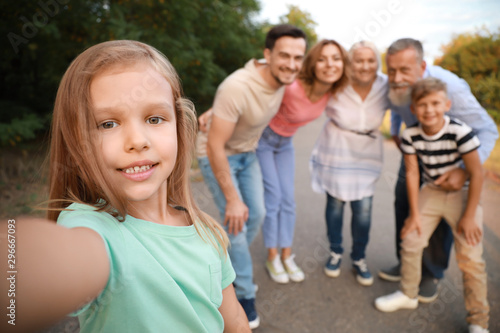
[138, 256]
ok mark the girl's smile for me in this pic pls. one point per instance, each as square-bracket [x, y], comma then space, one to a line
[139, 171]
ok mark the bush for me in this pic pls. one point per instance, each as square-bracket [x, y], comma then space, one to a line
[476, 58]
[20, 129]
[495, 114]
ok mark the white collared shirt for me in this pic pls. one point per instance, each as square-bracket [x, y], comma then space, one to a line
[345, 162]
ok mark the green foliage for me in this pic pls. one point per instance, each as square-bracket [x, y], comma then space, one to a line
[495, 114]
[205, 40]
[20, 129]
[476, 58]
[303, 20]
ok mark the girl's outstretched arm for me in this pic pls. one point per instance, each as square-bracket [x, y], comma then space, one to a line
[235, 319]
[57, 270]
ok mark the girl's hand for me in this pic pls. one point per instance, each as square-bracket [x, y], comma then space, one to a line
[471, 231]
[411, 223]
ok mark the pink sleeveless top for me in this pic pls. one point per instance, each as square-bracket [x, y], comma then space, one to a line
[296, 110]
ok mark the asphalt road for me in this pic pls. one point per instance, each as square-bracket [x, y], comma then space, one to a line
[322, 304]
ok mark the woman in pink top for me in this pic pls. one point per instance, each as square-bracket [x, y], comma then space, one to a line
[321, 76]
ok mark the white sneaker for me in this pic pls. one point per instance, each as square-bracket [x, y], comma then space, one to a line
[477, 329]
[277, 271]
[294, 271]
[253, 324]
[395, 301]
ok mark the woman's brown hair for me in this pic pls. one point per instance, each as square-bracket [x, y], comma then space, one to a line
[307, 74]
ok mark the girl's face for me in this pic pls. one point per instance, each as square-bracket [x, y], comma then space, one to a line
[364, 65]
[136, 130]
[329, 66]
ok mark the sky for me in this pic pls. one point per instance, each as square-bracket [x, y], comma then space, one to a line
[432, 22]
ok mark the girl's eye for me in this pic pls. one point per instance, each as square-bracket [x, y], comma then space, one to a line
[154, 120]
[108, 125]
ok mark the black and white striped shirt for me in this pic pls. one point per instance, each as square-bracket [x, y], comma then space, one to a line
[442, 151]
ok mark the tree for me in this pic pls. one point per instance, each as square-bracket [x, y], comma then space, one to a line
[41, 40]
[475, 57]
[302, 20]
[205, 40]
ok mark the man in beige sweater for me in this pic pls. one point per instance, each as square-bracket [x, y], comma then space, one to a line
[244, 104]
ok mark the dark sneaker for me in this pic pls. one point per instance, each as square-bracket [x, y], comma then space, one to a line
[363, 275]
[428, 290]
[392, 274]
[332, 266]
[248, 304]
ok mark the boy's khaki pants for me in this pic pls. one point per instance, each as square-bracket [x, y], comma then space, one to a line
[435, 204]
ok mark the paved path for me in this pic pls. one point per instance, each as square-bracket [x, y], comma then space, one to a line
[321, 304]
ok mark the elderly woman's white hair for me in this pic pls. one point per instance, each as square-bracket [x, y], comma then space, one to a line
[369, 45]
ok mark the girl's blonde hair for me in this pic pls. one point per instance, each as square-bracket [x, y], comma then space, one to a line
[307, 73]
[76, 174]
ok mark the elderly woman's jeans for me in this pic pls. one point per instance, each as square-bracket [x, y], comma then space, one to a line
[360, 224]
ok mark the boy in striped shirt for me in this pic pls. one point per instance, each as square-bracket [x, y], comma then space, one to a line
[441, 144]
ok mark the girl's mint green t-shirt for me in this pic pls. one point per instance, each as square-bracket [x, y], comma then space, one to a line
[162, 278]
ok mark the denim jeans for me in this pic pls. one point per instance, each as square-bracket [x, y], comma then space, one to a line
[247, 178]
[436, 255]
[277, 162]
[360, 224]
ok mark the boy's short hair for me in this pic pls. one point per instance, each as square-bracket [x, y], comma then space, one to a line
[282, 30]
[426, 87]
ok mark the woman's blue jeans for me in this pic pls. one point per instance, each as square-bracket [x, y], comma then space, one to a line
[360, 225]
[277, 162]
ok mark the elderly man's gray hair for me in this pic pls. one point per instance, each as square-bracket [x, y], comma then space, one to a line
[405, 43]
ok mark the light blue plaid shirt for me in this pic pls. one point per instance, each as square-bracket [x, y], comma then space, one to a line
[464, 106]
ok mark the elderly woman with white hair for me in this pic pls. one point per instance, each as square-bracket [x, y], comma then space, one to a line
[347, 158]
